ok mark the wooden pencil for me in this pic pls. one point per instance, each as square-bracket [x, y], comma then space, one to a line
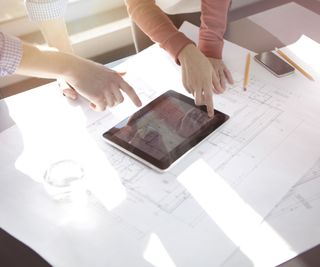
[293, 64]
[247, 72]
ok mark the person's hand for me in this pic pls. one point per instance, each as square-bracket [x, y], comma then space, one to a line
[100, 85]
[198, 77]
[222, 72]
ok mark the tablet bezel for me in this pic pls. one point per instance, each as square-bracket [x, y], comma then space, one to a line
[182, 149]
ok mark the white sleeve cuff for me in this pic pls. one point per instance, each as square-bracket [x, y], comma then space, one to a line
[42, 10]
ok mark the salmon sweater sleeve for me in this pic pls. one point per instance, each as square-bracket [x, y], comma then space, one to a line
[154, 22]
[213, 26]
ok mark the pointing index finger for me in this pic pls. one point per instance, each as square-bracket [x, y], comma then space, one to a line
[131, 93]
[209, 102]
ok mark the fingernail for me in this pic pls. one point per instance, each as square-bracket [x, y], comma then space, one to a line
[71, 96]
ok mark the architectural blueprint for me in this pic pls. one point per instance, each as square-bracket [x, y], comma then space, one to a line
[201, 210]
[290, 229]
[264, 127]
[261, 124]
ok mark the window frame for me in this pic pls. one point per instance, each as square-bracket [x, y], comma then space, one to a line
[77, 9]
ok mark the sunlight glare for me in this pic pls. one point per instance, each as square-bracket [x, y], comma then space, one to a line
[59, 132]
[226, 208]
[239, 221]
[267, 247]
[156, 254]
[308, 51]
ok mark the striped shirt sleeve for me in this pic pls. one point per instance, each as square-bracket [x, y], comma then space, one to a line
[10, 54]
[42, 10]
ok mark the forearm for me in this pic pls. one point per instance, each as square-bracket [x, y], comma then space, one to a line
[45, 63]
[151, 19]
[213, 25]
[56, 34]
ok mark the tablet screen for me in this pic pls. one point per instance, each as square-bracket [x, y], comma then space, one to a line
[164, 130]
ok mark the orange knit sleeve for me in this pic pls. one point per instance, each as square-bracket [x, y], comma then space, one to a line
[213, 26]
[154, 22]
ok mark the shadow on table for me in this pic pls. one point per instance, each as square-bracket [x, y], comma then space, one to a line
[245, 32]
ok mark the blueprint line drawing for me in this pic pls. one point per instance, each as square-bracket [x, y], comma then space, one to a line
[260, 110]
[305, 195]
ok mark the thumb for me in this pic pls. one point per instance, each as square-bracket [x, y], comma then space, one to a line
[70, 93]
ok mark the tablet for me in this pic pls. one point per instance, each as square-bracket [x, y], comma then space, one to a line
[164, 130]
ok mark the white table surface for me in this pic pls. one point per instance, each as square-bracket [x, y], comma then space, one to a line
[140, 225]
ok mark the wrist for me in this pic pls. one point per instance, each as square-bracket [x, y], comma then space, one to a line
[211, 49]
[68, 66]
[186, 52]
